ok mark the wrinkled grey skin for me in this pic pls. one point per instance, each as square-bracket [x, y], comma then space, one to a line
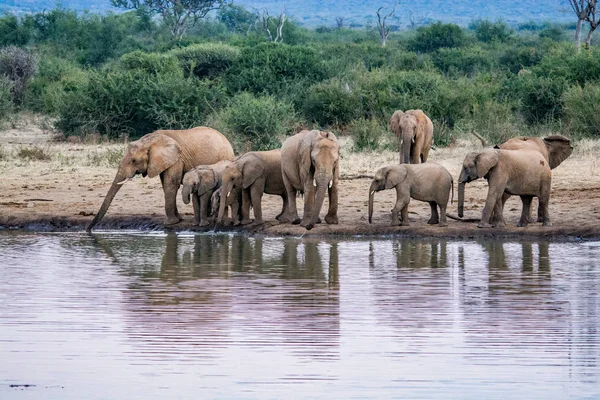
[428, 182]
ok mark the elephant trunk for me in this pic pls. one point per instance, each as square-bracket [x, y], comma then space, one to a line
[407, 139]
[116, 185]
[322, 186]
[225, 189]
[186, 192]
[461, 198]
[371, 198]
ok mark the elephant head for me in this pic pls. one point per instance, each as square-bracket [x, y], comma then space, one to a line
[407, 126]
[199, 181]
[148, 156]
[559, 149]
[322, 159]
[475, 166]
[241, 173]
[385, 178]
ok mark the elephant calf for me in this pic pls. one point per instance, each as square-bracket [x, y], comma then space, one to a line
[428, 182]
[200, 184]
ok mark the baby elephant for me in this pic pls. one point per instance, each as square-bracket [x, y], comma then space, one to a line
[428, 182]
[199, 184]
[234, 202]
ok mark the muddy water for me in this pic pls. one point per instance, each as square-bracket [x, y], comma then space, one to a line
[198, 316]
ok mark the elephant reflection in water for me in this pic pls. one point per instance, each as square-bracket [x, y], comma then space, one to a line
[212, 288]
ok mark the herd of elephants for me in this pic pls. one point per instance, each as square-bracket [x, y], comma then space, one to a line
[202, 160]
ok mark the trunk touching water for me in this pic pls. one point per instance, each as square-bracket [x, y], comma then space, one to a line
[371, 198]
[225, 189]
[106, 203]
[461, 198]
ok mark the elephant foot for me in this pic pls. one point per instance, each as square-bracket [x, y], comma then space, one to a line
[498, 224]
[296, 221]
[484, 225]
[395, 223]
[539, 219]
[258, 222]
[547, 223]
[331, 219]
[522, 223]
[309, 226]
[245, 221]
[204, 223]
[318, 221]
[172, 220]
[404, 223]
[433, 221]
[305, 222]
[443, 224]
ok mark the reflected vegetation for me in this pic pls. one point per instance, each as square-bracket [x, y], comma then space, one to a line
[234, 315]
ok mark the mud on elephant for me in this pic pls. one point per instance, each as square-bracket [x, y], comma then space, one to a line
[170, 154]
[515, 172]
[255, 173]
[414, 131]
[428, 182]
[310, 165]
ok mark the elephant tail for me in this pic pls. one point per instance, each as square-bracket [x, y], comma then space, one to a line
[452, 188]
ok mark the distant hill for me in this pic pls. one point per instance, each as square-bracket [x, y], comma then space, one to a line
[359, 12]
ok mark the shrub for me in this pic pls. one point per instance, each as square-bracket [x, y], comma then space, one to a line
[207, 60]
[494, 121]
[554, 33]
[134, 103]
[466, 61]
[331, 103]
[517, 58]
[150, 63]
[539, 98]
[370, 134]
[19, 66]
[256, 122]
[6, 104]
[488, 32]
[271, 68]
[33, 153]
[15, 32]
[436, 36]
[581, 109]
[561, 63]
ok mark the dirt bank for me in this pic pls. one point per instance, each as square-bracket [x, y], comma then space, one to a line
[64, 192]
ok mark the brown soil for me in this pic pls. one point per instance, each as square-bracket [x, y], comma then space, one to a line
[64, 194]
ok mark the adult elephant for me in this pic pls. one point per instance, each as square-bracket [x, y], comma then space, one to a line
[555, 149]
[170, 154]
[414, 131]
[309, 162]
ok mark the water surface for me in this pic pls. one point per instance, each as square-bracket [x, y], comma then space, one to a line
[131, 315]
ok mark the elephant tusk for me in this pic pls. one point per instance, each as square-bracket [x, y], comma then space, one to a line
[372, 193]
[228, 193]
[123, 181]
[330, 184]
[314, 182]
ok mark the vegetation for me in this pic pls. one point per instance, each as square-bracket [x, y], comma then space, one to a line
[125, 75]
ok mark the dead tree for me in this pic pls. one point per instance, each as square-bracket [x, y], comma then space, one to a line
[273, 25]
[581, 9]
[593, 20]
[384, 30]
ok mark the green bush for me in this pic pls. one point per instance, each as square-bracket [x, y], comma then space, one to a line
[270, 68]
[207, 60]
[464, 61]
[436, 36]
[370, 134]
[18, 66]
[134, 103]
[489, 32]
[516, 58]
[330, 103]
[150, 63]
[581, 110]
[257, 123]
[564, 63]
[494, 121]
[539, 98]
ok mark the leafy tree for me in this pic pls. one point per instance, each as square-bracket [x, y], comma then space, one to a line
[488, 32]
[437, 36]
[176, 14]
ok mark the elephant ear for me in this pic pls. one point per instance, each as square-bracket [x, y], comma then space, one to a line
[163, 153]
[485, 161]
[395, 122]
[421, 124]
[252, 170]
[395, 176]
[208, 181]
[559, 149]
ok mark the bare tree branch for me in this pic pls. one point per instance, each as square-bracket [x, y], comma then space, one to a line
[384, 30]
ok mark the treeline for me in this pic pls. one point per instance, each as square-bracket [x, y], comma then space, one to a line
[123, 74]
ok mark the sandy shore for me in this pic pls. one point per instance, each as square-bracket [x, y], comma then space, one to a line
[63, 193]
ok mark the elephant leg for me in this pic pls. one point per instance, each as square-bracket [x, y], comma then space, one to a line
[424, 154]
[284, 207]
[443, 220]
[291, 215]
[435, 218]
[197, 212]
[415, 155]
[404, 213]
[309, 201]
[525, 211]
[540, 214]
[170, 184]
[494, 196]
[544, 199]
[331, 216]
[204, 207]
[256, 193]
[245, 207]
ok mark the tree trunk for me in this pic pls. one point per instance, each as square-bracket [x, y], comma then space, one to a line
[578, 35]
[588, 39]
